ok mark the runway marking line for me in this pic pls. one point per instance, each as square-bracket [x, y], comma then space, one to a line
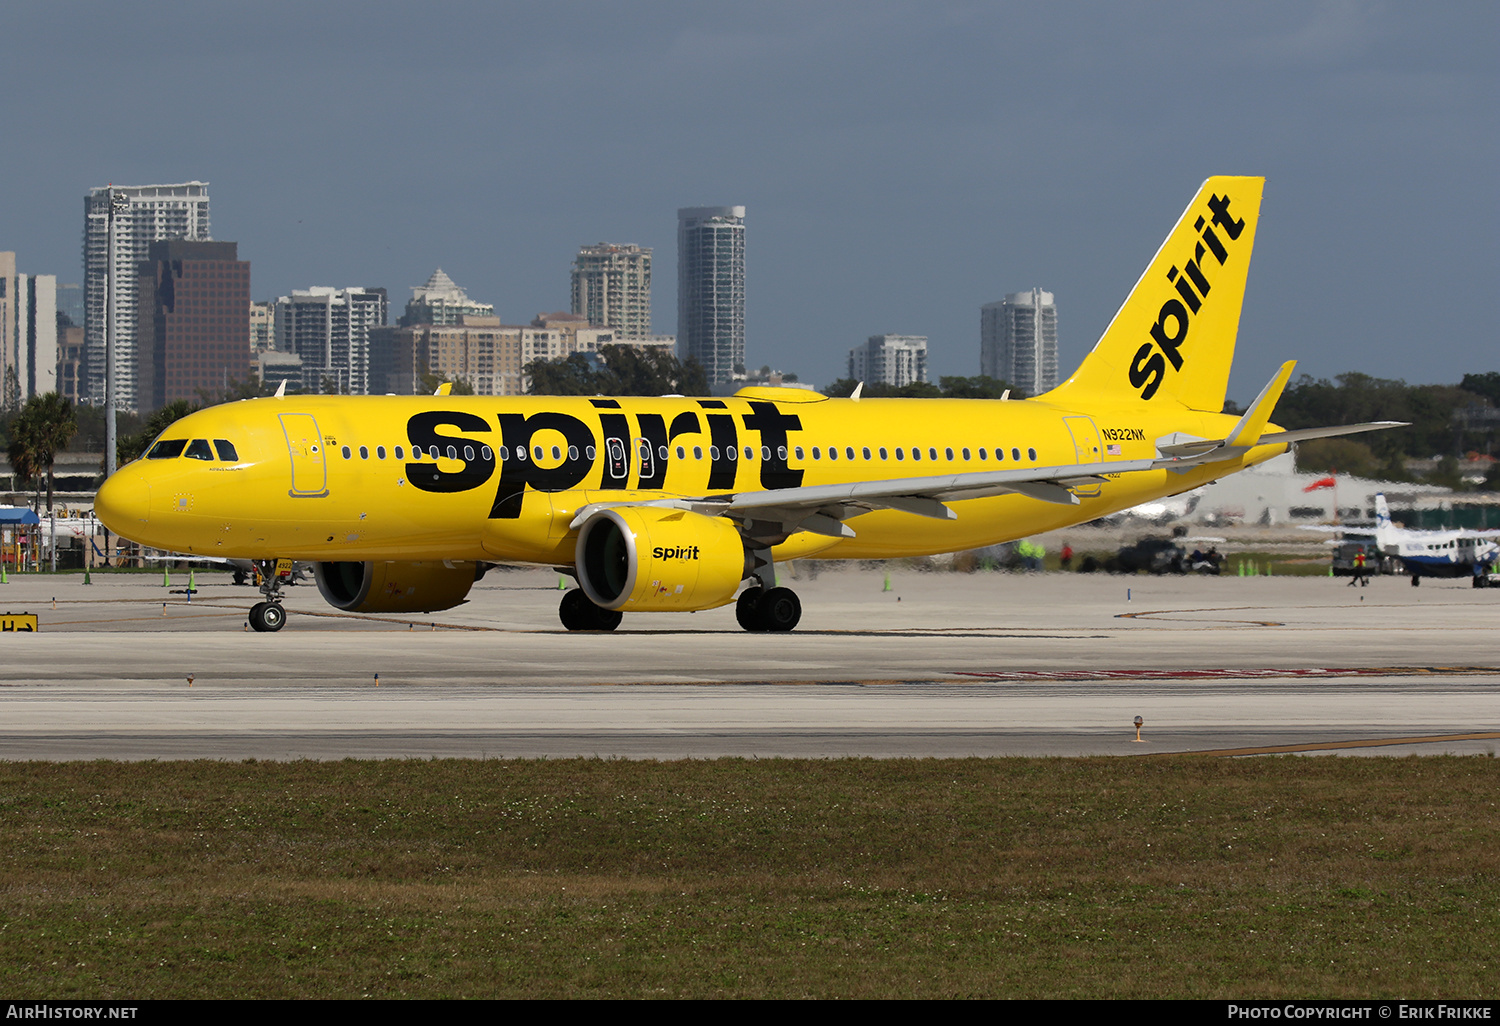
[1227, 674]
[1328, 746]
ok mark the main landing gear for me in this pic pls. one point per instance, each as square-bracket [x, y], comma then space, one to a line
[768, 609]
[579, 614]
[268, 616]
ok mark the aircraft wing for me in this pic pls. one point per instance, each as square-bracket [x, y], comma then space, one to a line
[822, 509]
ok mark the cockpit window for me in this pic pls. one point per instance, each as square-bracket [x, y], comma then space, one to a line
[167, 449]
[226, 450]
[198, 450]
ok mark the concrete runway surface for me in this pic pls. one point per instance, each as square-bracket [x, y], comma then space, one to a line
[942, 664]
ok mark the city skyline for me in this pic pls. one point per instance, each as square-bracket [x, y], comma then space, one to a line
[879, 153]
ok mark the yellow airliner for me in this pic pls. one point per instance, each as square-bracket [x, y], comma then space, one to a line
[672, 503]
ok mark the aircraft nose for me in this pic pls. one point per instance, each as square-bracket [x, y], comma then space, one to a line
[124, 501]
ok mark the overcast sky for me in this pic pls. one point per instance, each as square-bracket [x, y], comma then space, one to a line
[902, 163]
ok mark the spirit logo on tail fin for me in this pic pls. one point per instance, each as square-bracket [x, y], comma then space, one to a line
[1149, 368]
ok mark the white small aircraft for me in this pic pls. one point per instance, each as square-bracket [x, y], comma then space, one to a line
[1429, 553]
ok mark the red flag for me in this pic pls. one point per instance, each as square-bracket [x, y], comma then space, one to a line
[1322, 482]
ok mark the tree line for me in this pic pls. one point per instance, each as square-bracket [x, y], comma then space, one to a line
[1447, 423]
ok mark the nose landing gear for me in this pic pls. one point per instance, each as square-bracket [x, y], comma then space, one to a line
[268, 616]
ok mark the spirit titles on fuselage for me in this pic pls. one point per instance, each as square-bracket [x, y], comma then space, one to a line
[522, 464]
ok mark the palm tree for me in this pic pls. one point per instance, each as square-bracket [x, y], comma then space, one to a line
[39, 432]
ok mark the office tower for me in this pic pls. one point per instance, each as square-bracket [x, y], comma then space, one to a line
[612, 288]
[1018, 341]
[28, 334]
[441, 302]
[193, 332]
[262, 326]
[711, 290]
[890, 359]
[69, 358]
[70, 303]
[329, 329]
[145, 214]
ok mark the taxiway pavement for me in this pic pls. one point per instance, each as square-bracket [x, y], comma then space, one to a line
[941, 664]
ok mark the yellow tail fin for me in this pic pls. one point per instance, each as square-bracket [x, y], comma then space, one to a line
[1173, 339]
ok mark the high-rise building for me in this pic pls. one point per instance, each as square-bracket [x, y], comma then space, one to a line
[612, 288]
[890, 359]
[330, 330]
[69, 357]
[145, 214]
[441, 302]
[1018, 341]
[193, 331]
[262, 326]
[28, 334]
[711, 290]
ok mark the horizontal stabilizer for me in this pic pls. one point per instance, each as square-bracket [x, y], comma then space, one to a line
[1303, 434]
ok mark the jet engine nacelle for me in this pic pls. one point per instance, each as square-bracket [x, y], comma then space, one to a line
[643, 558]
[387, 587]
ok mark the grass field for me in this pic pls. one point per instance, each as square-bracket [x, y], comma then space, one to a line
[1326, 877]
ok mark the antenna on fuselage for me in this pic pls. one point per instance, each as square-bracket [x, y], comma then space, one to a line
[1005, 395]
[857, 390]
[281, 389]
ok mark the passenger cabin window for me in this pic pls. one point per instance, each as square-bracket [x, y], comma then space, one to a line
[226, 451]
[167, 449]
[198, 449]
